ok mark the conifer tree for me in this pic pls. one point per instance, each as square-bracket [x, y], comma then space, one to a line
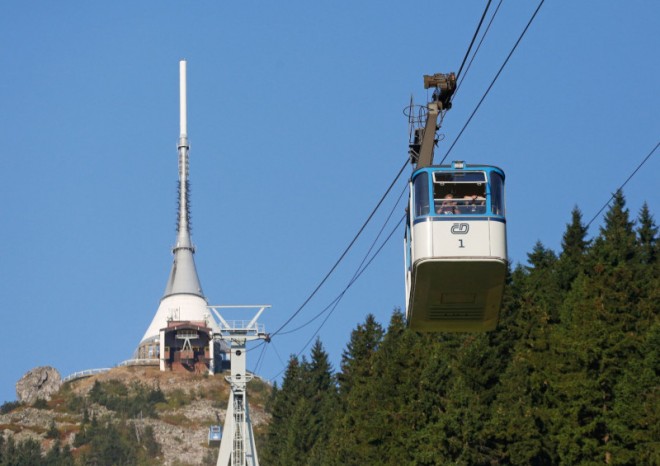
[323, 401]
[357, 371]
[282, 405]
[357, 358]
[541, 292]
[616, 244]
[647, 237]
[58, 456]
[520, 422]
[378, 412]
[24, 453]
[598, 336]
[574, 246]
[636, 411]
[302, 410]
[473, 385]
[429, 404]
[112, 445]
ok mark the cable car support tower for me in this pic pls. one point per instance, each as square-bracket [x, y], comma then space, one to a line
[237, 447]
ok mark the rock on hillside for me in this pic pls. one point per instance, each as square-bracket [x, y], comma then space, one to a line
[41, 382]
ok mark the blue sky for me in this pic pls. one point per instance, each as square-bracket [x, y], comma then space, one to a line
[296, 130]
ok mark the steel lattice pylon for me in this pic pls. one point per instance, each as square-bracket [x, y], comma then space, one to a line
[237, 447]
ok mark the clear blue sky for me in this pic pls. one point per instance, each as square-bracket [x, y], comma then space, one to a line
[296, 130]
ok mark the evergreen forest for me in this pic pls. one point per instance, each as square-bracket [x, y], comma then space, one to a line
[570, 376]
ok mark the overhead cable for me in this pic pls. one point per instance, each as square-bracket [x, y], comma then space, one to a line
[373, 212]
[336, 301]
[624, 183]
[476, 51]
[360, 268]
[259, 359]
[353, 281]
[476, 32]
[493, 81]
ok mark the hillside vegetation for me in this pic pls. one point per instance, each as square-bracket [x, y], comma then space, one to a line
[570, 376]
[127, 416]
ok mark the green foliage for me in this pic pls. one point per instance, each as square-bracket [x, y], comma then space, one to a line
[125, 443]
[357, 360]
[40, 403]
[24, 453]
[177, 398]
[52, 431]
[136, 401]
[58, 456]
[301, 411]
[8, 406]
[570, 376]
[574, 245]
[647, 237]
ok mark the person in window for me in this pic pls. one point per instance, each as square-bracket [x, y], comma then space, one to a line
[448, 205]
[475, 199]
[472, 202]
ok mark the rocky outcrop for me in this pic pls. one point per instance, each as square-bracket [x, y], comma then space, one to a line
[40, 382]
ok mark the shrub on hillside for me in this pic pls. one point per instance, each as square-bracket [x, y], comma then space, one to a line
[136, 401]
[8, 406]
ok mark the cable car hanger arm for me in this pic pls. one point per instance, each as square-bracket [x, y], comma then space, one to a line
[424, 140]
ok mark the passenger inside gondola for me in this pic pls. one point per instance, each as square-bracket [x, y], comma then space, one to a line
[448, 205]
[467, 192]
[473, 204]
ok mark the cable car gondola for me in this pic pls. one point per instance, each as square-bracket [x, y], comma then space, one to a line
[455, 247]
[455, 240]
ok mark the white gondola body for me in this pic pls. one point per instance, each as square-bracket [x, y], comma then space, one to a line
[456, 263]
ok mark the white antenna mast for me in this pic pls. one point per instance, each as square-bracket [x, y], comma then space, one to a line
[183, 237]
[183, 115]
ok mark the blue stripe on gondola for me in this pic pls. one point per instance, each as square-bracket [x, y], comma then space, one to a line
[458, 218]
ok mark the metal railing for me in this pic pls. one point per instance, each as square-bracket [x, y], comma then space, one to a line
[83, 374]
[91, 372]
[140, 362]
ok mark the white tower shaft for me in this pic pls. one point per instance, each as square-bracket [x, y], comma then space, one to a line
[183, 102]
[183, 226]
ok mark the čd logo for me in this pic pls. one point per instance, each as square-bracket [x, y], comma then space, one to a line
[460, 228]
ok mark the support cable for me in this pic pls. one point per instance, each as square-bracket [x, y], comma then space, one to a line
[259, 359]
[624, 183]
[494, 79]
[474, 37]
[277, 353]
[476, 51]
[336, 301]
[358, 271]
[351, 283]
[373, 212]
